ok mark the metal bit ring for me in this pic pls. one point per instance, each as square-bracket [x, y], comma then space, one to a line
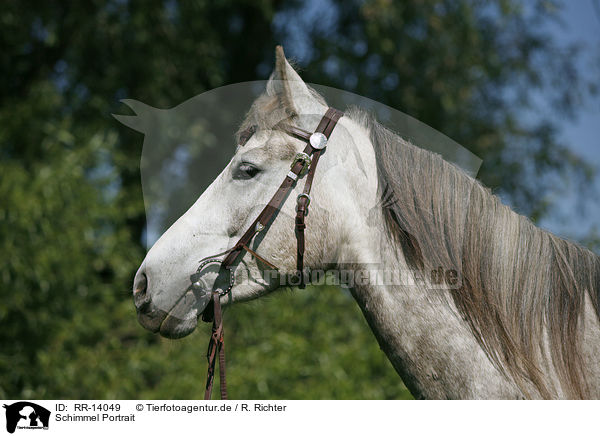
[231, 274]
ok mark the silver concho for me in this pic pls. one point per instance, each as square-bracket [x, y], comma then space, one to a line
[318, 140]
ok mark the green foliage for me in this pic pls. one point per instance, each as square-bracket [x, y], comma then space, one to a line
[311, 344]
[65, 242]
[71, 208]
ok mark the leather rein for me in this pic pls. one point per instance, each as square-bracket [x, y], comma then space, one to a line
[304, 163]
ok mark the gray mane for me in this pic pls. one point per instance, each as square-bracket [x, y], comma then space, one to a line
[521, 289]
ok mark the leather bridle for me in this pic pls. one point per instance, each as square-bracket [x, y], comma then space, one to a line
[304, 163]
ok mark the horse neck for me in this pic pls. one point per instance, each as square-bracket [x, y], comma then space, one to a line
[433, 345]
[428, 343]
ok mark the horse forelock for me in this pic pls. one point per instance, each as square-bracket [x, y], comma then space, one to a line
[522, 290]
[269, 111]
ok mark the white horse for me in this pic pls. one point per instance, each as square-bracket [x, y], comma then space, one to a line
[518, 319]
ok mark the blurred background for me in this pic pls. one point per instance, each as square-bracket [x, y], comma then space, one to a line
[514, 82]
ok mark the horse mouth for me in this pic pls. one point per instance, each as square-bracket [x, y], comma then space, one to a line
[175, 323]
[176, 328]
[177, 316]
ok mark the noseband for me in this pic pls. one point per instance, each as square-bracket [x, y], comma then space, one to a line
[304, 164]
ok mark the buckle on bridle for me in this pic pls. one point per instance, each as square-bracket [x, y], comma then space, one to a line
[305, 196]
[305, 159]
[307, 202]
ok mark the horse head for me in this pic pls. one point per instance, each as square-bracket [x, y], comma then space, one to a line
[170, 293]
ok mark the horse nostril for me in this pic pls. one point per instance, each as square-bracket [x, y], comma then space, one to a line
[140, 285]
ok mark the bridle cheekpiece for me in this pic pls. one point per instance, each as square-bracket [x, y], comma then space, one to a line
[303, 164]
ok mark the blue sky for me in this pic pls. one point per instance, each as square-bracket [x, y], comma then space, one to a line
[582, 25]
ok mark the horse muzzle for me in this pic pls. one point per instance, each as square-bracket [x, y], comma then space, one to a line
[173, 322]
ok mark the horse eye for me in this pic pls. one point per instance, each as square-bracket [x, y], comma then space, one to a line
[245, 171]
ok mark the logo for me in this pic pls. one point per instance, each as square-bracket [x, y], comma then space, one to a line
[26, 415]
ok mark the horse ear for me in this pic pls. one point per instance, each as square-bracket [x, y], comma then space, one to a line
[286, 84]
